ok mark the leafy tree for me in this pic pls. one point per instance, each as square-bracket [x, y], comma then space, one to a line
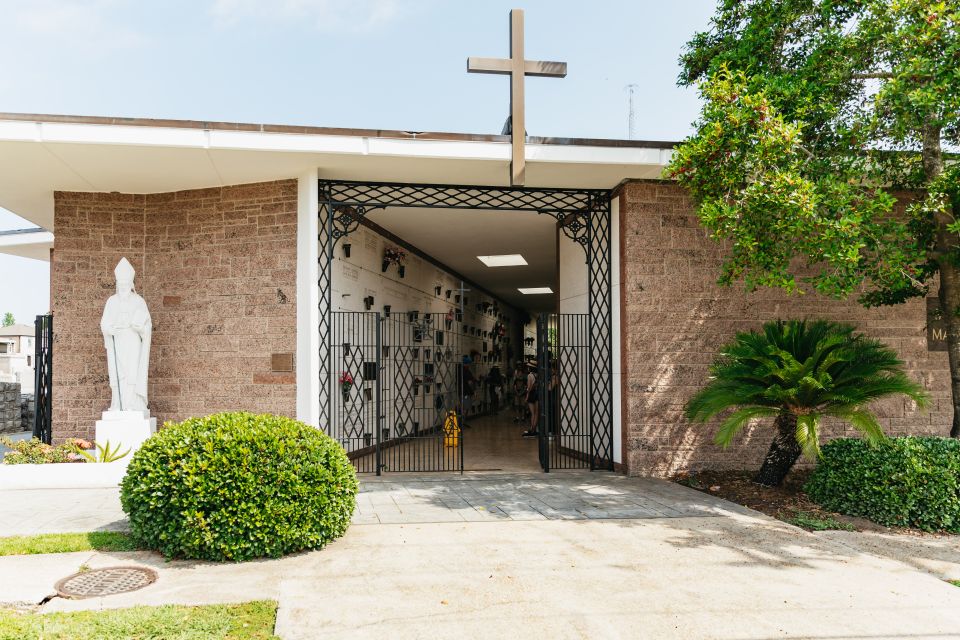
[8, 319]
[798, 373]
[819, 156]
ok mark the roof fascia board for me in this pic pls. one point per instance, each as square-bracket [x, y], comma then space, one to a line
[604, 155]
[171, 137]
[95, 134]
[25, 239]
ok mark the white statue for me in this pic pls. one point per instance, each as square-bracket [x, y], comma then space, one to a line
[126, 330]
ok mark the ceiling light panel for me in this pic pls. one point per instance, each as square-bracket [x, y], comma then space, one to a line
[529, 291]
[505, 260]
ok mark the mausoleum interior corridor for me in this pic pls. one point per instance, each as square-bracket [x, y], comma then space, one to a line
[451, 287]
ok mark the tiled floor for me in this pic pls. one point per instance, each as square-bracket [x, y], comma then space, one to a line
[491, 443]
[495, 443]
[473, 497]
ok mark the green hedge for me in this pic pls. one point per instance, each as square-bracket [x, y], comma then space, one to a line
[237, 486]
[904, 482]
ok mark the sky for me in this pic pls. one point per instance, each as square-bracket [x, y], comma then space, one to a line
[380, 64]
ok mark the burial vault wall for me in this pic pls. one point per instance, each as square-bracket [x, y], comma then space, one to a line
[217, 268]
[675, 318]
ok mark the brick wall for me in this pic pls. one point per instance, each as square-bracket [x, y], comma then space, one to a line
[217, 268]
[675, 317]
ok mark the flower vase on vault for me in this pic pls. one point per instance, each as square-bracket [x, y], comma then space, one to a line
[346, 384]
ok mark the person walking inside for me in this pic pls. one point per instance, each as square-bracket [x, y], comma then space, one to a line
[466, 386]
[494, 386]
[553, 397]
[519, 393]
[533, 401]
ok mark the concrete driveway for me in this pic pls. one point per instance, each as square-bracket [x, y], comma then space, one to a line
[733, 577]
[558, 556]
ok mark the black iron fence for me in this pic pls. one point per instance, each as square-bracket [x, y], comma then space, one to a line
[43, 379]
[568, 436]
[422, 373]
[356, 387]
[393, 380]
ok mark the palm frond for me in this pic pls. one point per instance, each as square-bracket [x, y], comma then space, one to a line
[870, 388]
[863, 421]
[733, 423]
[808, 435]
[809, 368]
[720, 395]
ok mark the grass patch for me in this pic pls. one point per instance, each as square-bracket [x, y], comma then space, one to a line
[816, 522]
[248, 621]
[64, 542]
[955, 583]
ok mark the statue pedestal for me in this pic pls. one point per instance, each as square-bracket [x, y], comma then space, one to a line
[125, 428]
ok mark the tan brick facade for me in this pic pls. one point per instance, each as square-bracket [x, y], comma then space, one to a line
[675, 316]
[217, 268]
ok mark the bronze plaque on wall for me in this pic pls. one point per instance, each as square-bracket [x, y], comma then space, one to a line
[281, 362]
[936, 327]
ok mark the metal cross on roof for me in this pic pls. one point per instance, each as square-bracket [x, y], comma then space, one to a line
[516, 67]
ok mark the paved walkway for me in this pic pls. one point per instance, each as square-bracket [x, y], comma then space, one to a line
[402, 499]
[735, 577]
[15, 435]
[560, 556]
[27, 512]
[409, 499]
[936, 554]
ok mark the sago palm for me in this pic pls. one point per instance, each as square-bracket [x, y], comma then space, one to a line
[799, 372]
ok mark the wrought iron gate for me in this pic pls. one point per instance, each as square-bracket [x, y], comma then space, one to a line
[355, 387]
[421, 369]
[584, 217]
[568, 438]
[43, 379]
[392, 381]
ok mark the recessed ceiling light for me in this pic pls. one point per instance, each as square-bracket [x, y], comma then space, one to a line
[508, 260]
[534, 290]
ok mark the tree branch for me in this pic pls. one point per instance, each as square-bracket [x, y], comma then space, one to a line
[809, 153]
[875, 75]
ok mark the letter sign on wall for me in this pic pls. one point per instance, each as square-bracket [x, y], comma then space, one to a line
[936, 327]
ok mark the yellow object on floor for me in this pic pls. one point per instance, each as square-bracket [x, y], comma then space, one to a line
[451, 430]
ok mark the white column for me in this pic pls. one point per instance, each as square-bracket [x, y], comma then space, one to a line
[308, 300]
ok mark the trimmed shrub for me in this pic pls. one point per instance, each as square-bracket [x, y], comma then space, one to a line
[237, 486]
[902, 482]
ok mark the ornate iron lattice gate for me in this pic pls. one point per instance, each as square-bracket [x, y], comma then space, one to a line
[355, 408]
[396, 378]
[567, 439]
[420, 363]
[43, 379]
[584, 217]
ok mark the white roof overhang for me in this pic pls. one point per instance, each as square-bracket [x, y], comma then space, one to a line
[27, 243]
[42, 154]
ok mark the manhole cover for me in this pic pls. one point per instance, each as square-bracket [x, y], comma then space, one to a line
[105, 582]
